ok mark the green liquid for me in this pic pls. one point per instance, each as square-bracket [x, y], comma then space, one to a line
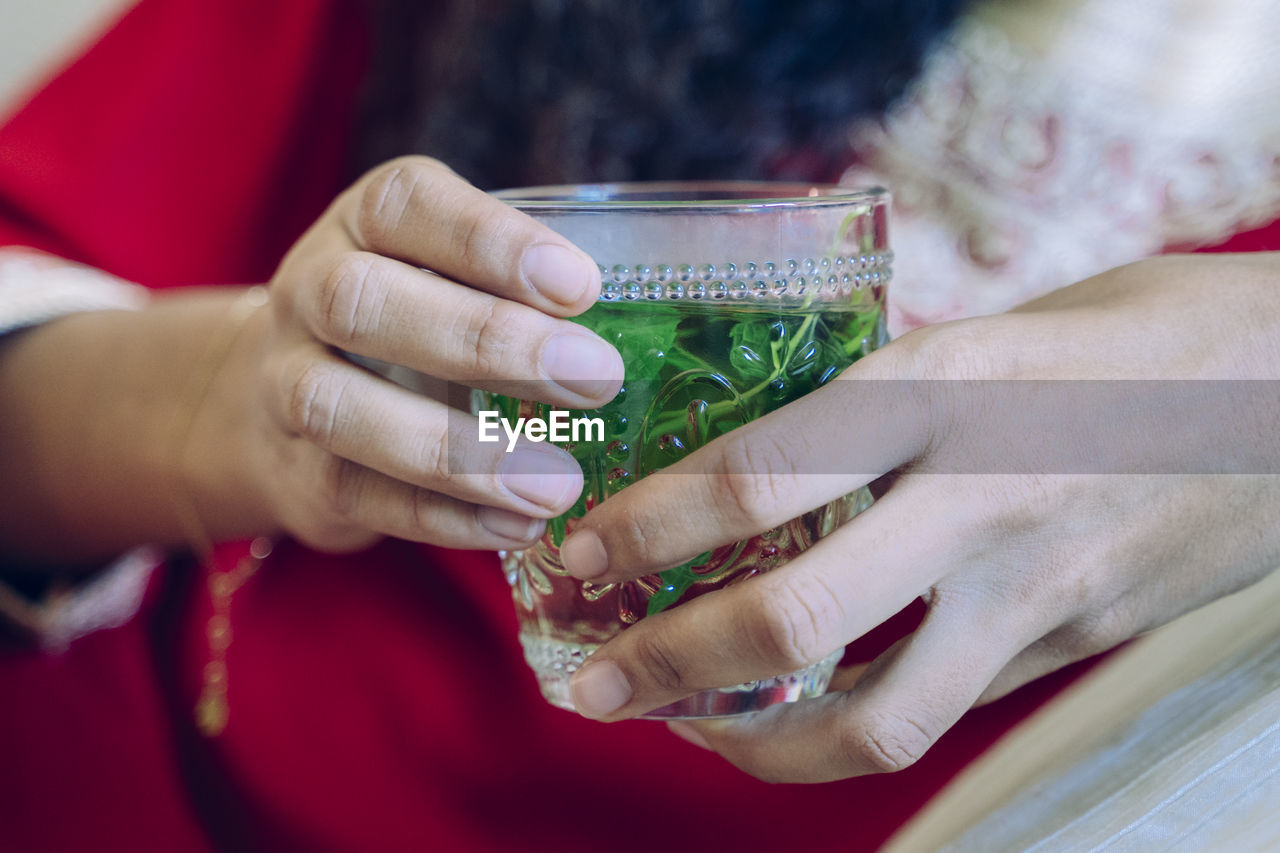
[695, 371]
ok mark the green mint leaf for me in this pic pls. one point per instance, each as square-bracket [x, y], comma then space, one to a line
[643, 345]
[749, 350]
[674, 584]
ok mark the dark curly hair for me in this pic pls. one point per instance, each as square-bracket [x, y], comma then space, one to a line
[517, 92]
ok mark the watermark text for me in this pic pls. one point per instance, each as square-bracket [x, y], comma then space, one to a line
[558, 427]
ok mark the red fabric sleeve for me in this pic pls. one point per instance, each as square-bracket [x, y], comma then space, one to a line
[377, 701]
[1265, 238]
[192, 144]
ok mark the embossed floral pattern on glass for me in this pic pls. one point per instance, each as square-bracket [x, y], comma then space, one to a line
[708, 345]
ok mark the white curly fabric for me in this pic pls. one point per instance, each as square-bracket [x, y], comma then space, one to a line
[107, 600]
[36, 288]
[1044, 143]
[1047, 142]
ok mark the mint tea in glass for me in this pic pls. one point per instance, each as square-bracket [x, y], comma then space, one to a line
[726, 301]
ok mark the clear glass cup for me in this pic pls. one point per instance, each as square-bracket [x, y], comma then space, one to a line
[726, 301]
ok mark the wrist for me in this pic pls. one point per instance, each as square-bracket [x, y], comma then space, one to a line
[220, 472]
[87, 444]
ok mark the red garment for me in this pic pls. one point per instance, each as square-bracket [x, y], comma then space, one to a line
[377, 701]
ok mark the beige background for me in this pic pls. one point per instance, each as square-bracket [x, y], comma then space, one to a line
[37, 36]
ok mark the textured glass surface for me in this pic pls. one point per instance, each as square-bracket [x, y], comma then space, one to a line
[709, 342]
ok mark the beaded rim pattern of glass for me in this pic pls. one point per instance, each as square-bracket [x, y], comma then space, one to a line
[826, 278]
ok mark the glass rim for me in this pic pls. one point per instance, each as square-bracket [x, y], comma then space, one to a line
[689, 196]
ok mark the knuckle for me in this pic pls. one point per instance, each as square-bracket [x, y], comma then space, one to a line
[388, 193]
[314, 402]
[486, 337]
[756, 479]
[958, 350]
[883, 741]
[630, 536]
[1042, 568]
[1066, 644]
[788, 625]
[745, 497]
[662, 668]
[429, 457]
[1090, 634]
[1114, 626]
[480, 232]
[1018, 507]
[348, 306]
[424, 510]
[1061, 585]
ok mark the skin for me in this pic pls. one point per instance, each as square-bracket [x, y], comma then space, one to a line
[292, 437]
[1022, 573]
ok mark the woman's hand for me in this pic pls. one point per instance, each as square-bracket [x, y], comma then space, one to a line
[1041, 521]
[415, 267]
[412, 266]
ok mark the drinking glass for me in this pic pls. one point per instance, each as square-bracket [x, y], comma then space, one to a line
[726, 301]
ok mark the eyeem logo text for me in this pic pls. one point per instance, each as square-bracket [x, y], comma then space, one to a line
[559, 427]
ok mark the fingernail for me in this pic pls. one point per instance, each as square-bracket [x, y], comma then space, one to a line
[558, 273]
[599, 689]
[684, 731]
[542, 474]
[582, 365]
[583, 555]
[509, 525]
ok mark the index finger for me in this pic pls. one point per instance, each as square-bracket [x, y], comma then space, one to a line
[758, 476]
[893, 714]
[782, 621]
[417, 210]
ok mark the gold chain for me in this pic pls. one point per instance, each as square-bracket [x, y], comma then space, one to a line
[211, 708]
